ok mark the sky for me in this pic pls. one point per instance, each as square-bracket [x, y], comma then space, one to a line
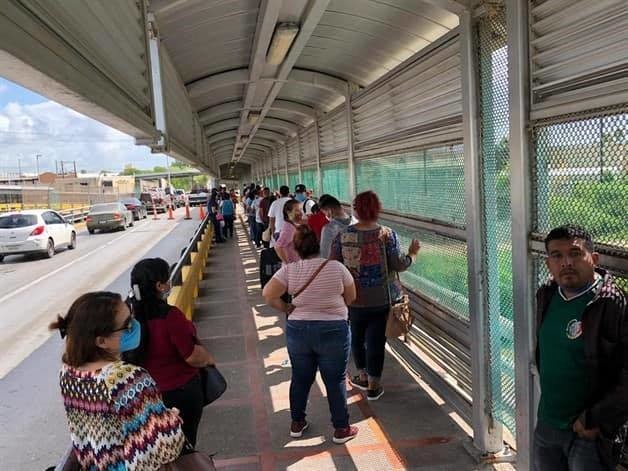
[30, 124]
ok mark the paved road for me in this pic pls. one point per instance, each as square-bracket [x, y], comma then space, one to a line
[33, 430]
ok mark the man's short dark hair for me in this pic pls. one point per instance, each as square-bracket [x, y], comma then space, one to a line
[300, 188]
[284, 190]
[568, 232]
[328, 201]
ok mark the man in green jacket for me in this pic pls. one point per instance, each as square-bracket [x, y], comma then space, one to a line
[581, 355]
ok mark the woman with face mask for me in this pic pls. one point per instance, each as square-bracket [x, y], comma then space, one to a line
[293, 217]
[116, 417]
[169, 348]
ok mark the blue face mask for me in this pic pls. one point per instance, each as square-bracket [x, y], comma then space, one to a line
[130, 339]
[300, 197]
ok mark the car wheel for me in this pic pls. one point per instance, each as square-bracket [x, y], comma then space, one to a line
[91, 231]
[132, 223]
[50, 249]
[1, 258]
[72, 244]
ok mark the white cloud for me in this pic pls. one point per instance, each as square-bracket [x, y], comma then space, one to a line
[59, 133]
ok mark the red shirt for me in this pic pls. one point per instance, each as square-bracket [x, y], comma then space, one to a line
[317, 222]
[170, 341]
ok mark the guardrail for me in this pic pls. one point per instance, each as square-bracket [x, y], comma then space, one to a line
[188, 271]
[75, 214]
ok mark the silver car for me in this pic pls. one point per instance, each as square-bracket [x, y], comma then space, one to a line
[108, 216]
[34, 231]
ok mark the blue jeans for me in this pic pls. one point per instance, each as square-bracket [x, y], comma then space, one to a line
[252, 227]
[368, 333]
[563, 450]
[322, 345]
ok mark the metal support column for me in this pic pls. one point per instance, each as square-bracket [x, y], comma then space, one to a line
[350, 157]
[159, 107]
[285, 149]
[487, 434]
[299, 158]
[319, 174]
[519, 99]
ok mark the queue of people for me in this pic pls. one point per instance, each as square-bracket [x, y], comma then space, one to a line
[130, 378]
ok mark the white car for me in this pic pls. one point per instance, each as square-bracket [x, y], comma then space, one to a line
[34, 231]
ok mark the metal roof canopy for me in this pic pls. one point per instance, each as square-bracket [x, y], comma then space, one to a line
[221, 50]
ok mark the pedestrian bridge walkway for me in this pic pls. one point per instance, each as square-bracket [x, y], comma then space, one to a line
[410, 427]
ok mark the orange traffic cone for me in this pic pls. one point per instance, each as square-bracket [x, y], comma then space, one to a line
[170, 213]
[201, 212]
[187, 211]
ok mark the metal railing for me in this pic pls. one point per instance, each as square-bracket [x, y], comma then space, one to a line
[75, 214]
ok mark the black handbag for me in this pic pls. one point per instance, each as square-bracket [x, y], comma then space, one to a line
[213, 383]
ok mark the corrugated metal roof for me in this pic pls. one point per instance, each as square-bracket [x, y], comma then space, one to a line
[213, 43]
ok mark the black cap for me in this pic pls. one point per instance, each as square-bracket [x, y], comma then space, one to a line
[300, 188]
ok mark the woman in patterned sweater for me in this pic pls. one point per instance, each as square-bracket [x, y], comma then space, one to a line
[116, 417]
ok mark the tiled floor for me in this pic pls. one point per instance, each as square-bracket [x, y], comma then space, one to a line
[248, 427]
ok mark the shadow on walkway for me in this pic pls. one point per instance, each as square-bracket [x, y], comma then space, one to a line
[248, 428]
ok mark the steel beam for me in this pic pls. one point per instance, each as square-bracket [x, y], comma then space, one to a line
[487, 436]
[227, 110]
[519, 99]
[311, 18]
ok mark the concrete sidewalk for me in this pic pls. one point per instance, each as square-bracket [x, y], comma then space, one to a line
[248, 428]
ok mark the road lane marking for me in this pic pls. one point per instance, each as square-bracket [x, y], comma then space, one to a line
[63, 267]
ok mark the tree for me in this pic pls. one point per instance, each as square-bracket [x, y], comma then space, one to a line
[129, 170]
[158, 169]
[179, 165]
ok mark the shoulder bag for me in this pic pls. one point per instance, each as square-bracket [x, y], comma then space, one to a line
[190, 460]
[213, 383]
[400, 318]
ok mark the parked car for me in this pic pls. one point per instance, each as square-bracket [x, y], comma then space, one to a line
[137, 207]
[198, 197]
[153, 201]
[108, 216]
[34, 231]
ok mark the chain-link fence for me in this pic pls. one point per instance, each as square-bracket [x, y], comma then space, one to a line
[496, 224]
[335, 180]
[428, 183]
[310, 179]
[581, 175]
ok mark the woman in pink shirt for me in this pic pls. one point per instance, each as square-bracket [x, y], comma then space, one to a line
[293, 217]
[317, 332]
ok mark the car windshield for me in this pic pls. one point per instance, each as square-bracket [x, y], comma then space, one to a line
[131, 201]
[14, 221]
[105, 208]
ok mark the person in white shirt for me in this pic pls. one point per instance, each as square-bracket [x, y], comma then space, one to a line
[300, 194]
[275, 213]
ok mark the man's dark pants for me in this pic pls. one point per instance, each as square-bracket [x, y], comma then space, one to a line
[563, 450]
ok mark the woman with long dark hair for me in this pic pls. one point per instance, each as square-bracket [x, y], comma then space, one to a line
[115, 413]
[169, 348]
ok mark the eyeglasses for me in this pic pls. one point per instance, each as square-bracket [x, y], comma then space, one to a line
[128, 325]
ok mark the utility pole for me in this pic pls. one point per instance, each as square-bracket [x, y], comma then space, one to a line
[37, 165]
[168, 167]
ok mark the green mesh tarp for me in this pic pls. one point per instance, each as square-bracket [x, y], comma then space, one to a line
[293, 180]
[336, 180]
[496, 217]
[310, 180]
[581, 176]
[427, 183]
